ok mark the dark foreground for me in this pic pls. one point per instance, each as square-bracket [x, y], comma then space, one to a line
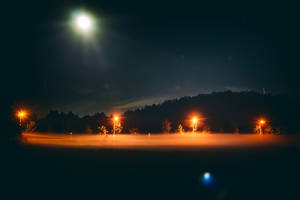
[250, 172]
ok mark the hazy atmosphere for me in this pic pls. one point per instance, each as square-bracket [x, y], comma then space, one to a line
[144, 53]
[115, 99]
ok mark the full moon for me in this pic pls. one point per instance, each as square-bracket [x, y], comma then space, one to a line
[83, 22]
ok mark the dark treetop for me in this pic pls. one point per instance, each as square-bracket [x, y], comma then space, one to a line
[220, 112]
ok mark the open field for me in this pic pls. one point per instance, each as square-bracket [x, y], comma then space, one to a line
[156, 141]
[153, 167]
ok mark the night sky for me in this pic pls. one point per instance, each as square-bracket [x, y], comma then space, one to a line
[145, 52]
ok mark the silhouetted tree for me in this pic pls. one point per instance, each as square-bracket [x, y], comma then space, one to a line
[133, 130]
[223, 112]
[119, 127]
[30, 126]
[206, 129]
[103, 129]
[166, 127]
[268, 129]
[180, 129]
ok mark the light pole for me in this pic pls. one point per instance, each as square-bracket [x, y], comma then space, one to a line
[194, 124]
[116, 118]
[21, 115]
[261, 123]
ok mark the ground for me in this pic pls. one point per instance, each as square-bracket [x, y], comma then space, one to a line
[239, 171]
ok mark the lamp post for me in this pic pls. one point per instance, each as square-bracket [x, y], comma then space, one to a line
[261, 123]
[21, 115]
[116, 118]
[194, 124]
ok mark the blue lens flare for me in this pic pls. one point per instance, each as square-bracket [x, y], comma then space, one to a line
[207, 178]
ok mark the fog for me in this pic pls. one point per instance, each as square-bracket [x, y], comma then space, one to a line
[155, 141]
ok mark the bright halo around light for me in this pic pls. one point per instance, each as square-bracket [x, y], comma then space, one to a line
[83, 22]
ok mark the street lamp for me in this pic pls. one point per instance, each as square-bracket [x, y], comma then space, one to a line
[21, 115]
[194, 124]
[116, 119]
[261, 123]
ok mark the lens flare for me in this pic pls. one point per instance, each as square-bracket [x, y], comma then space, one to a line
[207, 178]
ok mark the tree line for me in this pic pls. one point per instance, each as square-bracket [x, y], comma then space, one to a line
[225, 112]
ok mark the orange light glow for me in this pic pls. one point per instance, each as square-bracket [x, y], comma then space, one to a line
[22, 114]
[153, 141]
[262, 121]
[195, 120]
[194, 124]
[116, 118]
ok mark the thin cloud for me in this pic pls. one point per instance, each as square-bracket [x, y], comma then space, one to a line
[140, 103]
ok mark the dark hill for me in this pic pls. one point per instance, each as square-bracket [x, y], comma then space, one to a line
[221, 112]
